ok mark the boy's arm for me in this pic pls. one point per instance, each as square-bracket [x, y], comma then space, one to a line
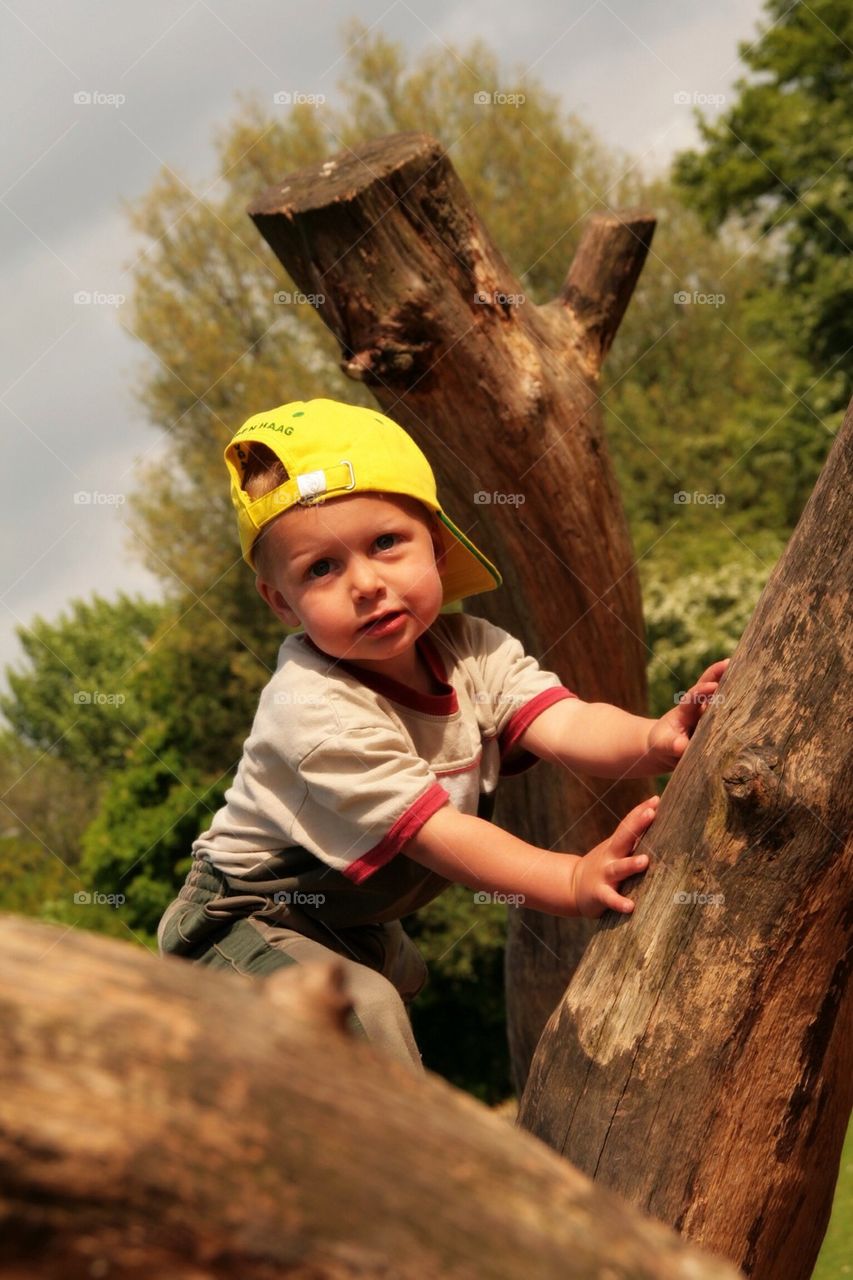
[594, 738]
[603, 740]
[473, 852]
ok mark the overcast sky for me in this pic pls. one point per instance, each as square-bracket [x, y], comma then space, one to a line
[69, 419]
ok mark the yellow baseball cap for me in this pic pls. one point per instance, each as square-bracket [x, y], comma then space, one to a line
[328, 449]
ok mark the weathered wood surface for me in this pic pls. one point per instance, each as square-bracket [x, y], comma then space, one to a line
[503, 397]
[701, 1062]
[161, 1120]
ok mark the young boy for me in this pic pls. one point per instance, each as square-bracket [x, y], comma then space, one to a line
[368, 778]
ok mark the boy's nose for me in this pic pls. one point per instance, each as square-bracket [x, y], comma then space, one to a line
[364, 579]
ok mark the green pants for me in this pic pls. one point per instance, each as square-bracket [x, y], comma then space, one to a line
[212, 924]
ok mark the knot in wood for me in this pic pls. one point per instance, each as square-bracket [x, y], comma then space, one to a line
[753, 779]
[317, 992]
[387, 362]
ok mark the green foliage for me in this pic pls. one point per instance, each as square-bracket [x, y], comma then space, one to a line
[38, 885]
[780, 160]
[694, 619]
[693, 401]
[73, 699]
[45, 805]
[459, 1019]
[200, 695]
[139, 844]
[33, 880]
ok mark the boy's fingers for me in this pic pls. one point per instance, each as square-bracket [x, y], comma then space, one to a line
[627, 867]
[701, 691]
[633, 825]
[613, 901]
[699, 699]
[715, 671]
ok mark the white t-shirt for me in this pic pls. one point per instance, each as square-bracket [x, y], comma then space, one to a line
[343, 766]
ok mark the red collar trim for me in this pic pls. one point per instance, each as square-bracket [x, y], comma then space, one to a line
[436, 704]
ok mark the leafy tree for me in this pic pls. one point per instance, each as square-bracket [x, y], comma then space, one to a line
[693, 404]
[139, 844]
[694, 619]
[200, 695]
[45, 806]
[72, 699]
[780, 161]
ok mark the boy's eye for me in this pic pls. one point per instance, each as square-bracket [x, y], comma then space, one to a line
[322, 568]
[319, 569]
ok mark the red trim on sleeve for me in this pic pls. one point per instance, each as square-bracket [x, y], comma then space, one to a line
[406, 826]
[520, 721]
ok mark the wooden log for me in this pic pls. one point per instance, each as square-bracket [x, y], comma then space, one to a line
[503, 397]
[701, 1062]
[159, 1119]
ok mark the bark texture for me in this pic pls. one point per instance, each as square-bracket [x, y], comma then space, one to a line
[502, 395]
[157, 1119]
[701, 1062]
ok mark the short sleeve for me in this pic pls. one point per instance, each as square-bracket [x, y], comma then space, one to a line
[366, 795]
[517, 687]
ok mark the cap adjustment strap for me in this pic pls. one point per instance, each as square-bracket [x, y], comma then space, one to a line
[312, 483]
[339, 478]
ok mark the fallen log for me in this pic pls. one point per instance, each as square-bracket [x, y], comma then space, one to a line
[158, 1119]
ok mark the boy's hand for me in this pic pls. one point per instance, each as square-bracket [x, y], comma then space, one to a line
[669, 736]
[609, 863]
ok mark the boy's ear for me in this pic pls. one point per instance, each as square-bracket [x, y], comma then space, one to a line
[276, 601]
[438, 543]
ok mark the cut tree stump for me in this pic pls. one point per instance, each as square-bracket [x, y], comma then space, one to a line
[701, 1062]
[160, 1120]
[502, 395]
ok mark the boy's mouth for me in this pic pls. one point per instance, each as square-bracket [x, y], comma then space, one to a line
[384, 622]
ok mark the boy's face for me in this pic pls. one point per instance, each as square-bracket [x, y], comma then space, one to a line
[360, 574]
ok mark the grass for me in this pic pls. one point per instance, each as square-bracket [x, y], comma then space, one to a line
[836, 1256]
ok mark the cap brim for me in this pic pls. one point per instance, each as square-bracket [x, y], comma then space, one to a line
[466, 571]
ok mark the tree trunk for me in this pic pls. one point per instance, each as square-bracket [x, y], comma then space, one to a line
[701, 1062]
[502, 395]
[158, 1119]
